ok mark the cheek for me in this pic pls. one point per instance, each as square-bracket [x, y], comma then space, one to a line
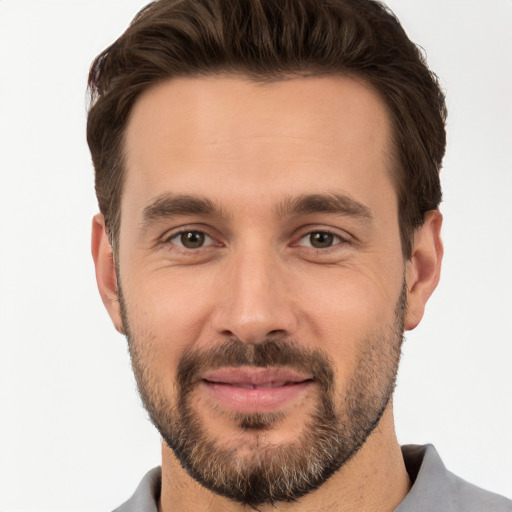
[167, 314]
[348, 300]
[154, 345]
[344, 315]
[171, 306]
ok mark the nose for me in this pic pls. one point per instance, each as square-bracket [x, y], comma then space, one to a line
[256, 301]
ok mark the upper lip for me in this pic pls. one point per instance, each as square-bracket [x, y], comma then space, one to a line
[253, 377]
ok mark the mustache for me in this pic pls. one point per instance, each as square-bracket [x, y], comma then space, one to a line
[270, 353]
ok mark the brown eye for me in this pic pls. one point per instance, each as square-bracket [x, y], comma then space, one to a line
[321, 240]
[191, 239]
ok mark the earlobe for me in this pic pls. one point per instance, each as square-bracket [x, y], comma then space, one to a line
[424, 268]
[105, 270]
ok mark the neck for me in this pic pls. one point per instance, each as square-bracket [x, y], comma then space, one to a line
[374, 480]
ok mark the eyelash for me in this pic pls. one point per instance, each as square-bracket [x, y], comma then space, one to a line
[170, 239]
[338, 240]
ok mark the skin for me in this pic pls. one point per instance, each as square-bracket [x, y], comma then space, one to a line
[251, 149]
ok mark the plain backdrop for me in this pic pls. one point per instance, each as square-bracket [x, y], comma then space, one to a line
[73, 436]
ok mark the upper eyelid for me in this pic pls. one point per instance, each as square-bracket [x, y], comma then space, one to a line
[342, 240]
[178, 233]
[326, 230]
[170, 233]
[308, 230]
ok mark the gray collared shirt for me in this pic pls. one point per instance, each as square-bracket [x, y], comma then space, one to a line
[434, 488]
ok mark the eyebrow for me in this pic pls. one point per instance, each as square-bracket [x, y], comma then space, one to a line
[169, 205]
[339, 204]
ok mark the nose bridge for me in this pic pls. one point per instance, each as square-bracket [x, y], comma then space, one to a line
[255, 302]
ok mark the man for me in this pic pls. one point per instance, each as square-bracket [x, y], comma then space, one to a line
[268, 180]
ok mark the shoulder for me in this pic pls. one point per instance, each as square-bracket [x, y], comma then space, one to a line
[436, 488]
[470, 497]
[146, 496]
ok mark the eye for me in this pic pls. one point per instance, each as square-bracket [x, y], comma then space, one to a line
[191, 239]
[319, 240]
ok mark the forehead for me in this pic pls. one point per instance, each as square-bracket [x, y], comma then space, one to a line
[230, 136]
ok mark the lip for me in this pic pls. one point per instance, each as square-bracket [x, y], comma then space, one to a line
[255, 390]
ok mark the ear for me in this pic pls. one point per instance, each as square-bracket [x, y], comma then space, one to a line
[105, 270]
[424, 268]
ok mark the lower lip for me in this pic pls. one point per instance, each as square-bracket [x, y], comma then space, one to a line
[256, 400]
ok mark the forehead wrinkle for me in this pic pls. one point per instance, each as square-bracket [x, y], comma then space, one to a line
[170, 205]
[339, 204]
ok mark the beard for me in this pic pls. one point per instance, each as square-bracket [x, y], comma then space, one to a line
[336, 428]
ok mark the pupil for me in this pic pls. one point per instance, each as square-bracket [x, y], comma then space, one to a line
[192, 239]
[321, 240]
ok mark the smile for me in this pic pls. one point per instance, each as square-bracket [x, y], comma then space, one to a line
[255, 390]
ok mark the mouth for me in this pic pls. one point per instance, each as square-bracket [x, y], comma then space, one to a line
[255, 390]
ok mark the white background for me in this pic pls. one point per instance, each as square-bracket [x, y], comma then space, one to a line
[73, 436]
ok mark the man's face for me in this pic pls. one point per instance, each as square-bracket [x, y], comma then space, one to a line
[262, 276]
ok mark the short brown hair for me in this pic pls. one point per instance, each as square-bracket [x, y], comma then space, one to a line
[268, 40]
